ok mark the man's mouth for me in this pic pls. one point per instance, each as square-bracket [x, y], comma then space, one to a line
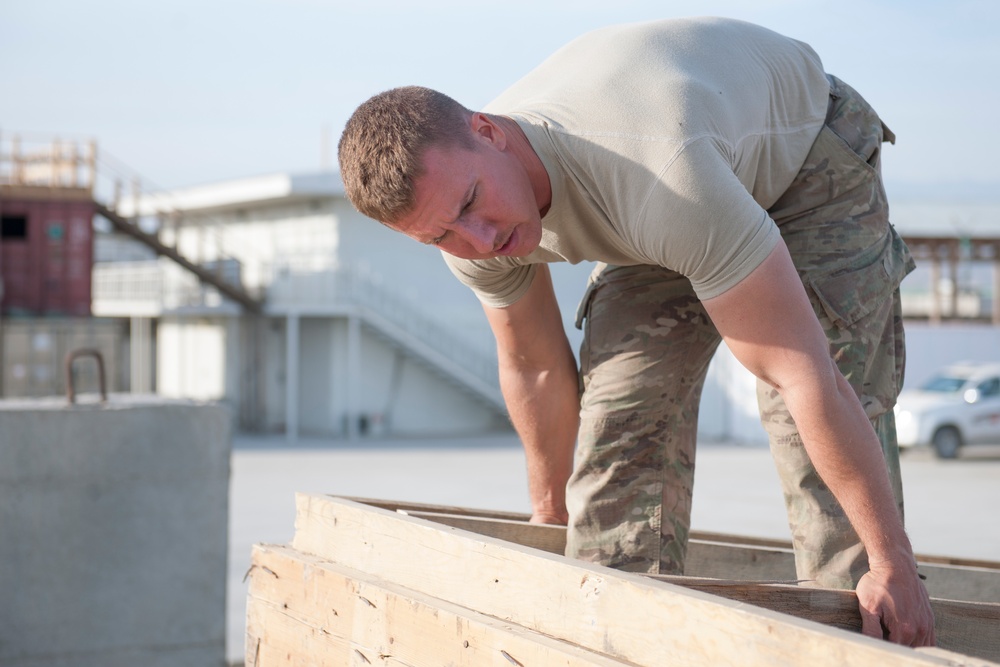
[508, 244]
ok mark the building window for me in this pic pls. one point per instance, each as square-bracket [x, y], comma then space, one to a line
[14, 227]
[55, 232]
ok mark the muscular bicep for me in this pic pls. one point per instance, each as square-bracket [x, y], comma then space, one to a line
[701, 221]
[769, 325]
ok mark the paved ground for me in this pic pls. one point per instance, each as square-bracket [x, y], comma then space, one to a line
[951, 506]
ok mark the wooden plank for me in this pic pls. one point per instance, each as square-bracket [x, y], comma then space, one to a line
[959, 625]
[626, 616]
[835, 608]
[786, 544]
[542, 536]
[702, 535]
[736, 561]
[304, 611]
[705, 559]
[407, 506]
[730, 570]
[955, 658]
[727, 559]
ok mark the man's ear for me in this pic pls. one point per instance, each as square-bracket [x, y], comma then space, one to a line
[488, 130]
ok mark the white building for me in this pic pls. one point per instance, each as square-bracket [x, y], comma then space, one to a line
[362, 331]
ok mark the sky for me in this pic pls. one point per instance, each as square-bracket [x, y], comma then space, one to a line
[189, 92]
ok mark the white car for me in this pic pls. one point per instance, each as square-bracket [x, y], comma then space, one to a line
[958, 406]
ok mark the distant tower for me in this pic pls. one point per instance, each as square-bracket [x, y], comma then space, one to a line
[46, 227]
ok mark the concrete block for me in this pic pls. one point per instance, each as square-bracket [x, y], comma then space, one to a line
[113, 532]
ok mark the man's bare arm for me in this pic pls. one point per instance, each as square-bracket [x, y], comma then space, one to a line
[539, 383]
[768, 323]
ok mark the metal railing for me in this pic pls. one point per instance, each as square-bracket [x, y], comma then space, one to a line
[141, 281]
[148, 213]
[367, 291]
[137, 207]
[160, 287]
[28, 160]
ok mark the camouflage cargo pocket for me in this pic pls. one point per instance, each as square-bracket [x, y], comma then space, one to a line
[856, 306]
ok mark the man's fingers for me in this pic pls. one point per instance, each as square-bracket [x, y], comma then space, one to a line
[895, 609]
[900, 633]
[897, 631]
[909, 634]
[871, 624]
[930, 637]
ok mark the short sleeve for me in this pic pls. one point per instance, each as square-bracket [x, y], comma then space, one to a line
[495, 283]
[702, 222]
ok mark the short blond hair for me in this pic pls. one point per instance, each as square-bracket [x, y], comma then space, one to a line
[383, 143]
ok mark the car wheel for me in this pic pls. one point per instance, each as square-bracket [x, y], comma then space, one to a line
[947, 441]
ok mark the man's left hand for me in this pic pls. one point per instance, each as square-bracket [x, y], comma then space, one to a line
[895, 606]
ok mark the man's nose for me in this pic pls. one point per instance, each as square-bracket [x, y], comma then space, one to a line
[480, 235]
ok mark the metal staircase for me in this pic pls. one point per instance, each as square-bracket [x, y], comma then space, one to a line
[210, 276]
[145, 213]
[425, 340]
[61, 165]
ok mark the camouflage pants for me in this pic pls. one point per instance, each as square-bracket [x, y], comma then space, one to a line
[648, 342]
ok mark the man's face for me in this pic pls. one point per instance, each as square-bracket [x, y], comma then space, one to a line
[474, 204]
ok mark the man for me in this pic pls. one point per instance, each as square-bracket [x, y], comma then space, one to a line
[730, 189]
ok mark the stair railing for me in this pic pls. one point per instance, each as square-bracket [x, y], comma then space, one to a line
[365, 290]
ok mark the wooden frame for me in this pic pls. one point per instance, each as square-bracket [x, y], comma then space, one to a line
[364, 584]
[729, 557]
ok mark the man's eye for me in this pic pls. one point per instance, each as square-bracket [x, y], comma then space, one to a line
[471, 201]
[438, 240]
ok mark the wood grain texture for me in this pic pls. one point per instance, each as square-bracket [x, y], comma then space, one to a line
[302, 610]
[627, 617]
[726, 558]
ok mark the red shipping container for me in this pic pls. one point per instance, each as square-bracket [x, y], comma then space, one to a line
[46, 255]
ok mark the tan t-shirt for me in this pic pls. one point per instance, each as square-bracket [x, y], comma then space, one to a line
[664, 143]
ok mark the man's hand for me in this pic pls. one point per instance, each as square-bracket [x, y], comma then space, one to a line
[770, 327]
[894, 605]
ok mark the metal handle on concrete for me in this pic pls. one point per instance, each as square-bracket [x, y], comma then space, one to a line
[73, 356]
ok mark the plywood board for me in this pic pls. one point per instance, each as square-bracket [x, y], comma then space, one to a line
[701, 535]
[302, 610]
[728, 559]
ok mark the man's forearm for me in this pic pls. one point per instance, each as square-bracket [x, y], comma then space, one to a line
[544, 407]
[846, 453]
[768, 323]
[539, 383]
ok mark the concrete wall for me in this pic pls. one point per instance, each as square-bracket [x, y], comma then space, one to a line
[321, 396]
[113, 533]
[405, 397]
[392, 393]
[33, 352]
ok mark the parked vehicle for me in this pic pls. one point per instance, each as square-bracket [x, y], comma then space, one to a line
[958, 406]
